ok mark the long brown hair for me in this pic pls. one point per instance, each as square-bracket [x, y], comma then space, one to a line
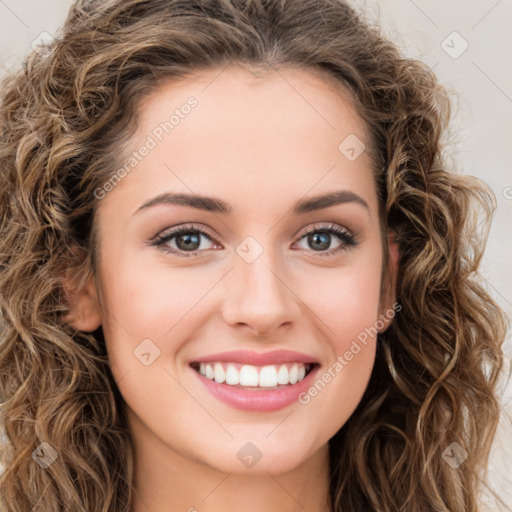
[64, 117]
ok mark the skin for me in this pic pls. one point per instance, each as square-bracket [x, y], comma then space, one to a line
[260, 143]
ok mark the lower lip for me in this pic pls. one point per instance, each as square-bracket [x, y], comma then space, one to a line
[259, 399]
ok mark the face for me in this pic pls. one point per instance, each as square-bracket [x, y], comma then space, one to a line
[262, 269]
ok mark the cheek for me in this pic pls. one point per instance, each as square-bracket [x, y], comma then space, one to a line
[150, 302]
[150, 299]
[347, 303]
[346, 299]
[347, 307]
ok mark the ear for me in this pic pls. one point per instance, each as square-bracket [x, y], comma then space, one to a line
[85, 310]
[388, 302]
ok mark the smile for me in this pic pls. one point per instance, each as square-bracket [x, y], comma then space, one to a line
[250, 376]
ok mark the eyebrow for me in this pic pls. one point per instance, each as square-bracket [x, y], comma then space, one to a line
[211, 204]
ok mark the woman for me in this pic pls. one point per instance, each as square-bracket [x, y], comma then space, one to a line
[235, 272]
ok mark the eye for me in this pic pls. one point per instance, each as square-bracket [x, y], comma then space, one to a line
[320, 238]
[188, 239]
[182, 240]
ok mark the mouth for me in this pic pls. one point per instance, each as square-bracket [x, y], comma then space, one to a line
[252, 377]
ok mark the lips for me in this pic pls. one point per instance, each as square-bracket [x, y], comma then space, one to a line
[255, 381]
[257, 358]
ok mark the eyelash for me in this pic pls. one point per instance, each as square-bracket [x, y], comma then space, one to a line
[161, 239]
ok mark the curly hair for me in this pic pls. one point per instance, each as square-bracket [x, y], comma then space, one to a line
[64, 117]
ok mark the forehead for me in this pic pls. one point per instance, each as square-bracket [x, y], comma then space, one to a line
[256, 135]
[309, 96]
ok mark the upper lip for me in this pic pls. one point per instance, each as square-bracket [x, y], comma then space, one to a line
[257, 358]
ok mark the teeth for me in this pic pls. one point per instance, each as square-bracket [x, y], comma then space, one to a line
[282, 375]
[248, 375]
[232, 375]
[218, 371]
[269, 376]
[294, 374]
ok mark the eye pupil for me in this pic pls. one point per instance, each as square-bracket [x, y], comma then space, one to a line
[314, 238]
[189, 241]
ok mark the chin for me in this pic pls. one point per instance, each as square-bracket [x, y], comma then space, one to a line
[258, 458]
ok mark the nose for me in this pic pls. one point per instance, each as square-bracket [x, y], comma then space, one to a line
[258, 298]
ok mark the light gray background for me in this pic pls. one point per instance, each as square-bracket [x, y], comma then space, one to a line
[480, 81]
